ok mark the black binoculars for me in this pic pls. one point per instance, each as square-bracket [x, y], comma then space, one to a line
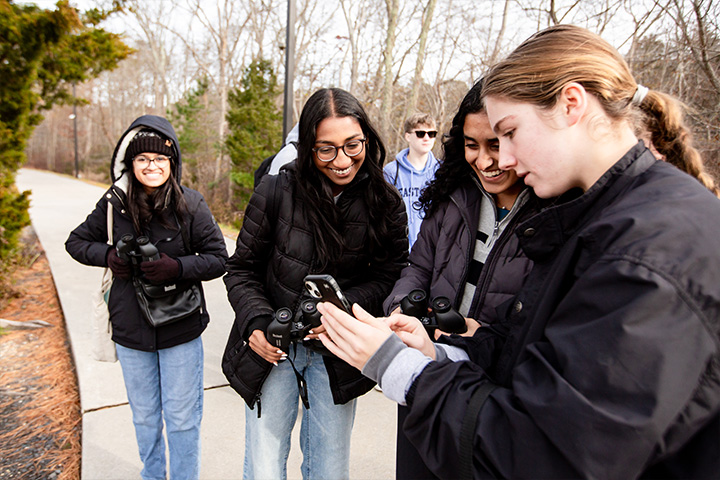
[286, 327]
[442, 315]
[136, 250]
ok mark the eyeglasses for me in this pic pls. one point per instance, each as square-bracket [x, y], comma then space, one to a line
[328, 153]
[430, 133]
[161, 161]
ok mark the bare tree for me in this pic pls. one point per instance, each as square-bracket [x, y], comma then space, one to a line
[700, 37]
[223, 31]
[152, 18]
[355, 14]
[500, 35]
[427, 17]
[391, 7]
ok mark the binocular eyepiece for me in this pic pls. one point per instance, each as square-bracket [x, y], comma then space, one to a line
[286, 327]
[441, 316]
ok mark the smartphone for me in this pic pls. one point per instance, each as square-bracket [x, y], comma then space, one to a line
[324, 288]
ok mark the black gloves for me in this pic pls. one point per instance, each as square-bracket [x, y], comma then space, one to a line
[120, 268]
[161, 271]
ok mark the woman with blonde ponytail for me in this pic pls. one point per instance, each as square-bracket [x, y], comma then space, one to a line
[608, 365]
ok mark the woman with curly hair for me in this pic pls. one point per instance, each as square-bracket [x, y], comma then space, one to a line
[470, 209]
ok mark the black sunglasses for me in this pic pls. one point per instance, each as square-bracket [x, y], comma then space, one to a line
[430, 133]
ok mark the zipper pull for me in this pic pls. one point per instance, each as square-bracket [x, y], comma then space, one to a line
[257, 402]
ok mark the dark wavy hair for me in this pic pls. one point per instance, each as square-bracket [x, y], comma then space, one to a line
[315, 189]
[162, 204]
[454, 170]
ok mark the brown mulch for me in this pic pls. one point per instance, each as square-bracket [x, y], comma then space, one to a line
[40, 417]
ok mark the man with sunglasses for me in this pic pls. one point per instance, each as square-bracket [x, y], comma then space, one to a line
[414, 166]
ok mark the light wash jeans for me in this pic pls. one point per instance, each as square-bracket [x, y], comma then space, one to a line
[167, 383]
[324, 432]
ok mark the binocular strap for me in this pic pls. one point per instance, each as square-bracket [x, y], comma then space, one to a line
[302, 384]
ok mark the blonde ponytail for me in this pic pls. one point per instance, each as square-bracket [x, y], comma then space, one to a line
[665, 124]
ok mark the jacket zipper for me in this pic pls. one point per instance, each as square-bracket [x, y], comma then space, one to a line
[258, 394]
[256, 401]
[123, 209]
[471, 245]
[492, 259]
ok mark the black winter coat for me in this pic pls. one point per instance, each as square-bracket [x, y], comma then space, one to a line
[274, 255]
[612, 367]
[88, 245]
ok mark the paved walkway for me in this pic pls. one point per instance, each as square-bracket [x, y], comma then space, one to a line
[60, 203]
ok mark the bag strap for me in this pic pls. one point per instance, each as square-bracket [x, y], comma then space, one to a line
[467, 431]
[110, 223]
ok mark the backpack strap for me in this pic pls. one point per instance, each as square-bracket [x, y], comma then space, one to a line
[273, 200]
[262, 170]
[397, 172]
[467, 431]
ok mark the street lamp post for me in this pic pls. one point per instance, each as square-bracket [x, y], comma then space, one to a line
[74, 117]
[289, 69]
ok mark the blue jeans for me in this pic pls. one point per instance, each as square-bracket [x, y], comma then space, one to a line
[166, 384]
[324, 432]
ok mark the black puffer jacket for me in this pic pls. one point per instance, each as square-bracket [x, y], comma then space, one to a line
[272, 258]
[612, 369]
[88, 245]
[439, 264]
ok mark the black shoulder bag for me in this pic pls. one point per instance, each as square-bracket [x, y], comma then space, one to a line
[165, 304]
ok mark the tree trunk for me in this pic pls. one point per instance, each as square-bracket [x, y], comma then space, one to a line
[417, 78]
[386, 105]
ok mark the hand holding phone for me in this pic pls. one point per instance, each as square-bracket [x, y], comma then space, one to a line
[324, 288]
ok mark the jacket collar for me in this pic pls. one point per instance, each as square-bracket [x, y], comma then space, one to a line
[545, 233]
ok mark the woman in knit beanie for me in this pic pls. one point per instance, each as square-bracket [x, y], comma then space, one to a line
[162, 365]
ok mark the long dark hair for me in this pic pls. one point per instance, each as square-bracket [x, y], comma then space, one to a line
[315, 189]
[162, 204]
[454, 169]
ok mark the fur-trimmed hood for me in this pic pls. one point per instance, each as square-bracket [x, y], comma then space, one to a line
[118, 169]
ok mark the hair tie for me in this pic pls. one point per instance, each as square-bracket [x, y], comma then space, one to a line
[639, 96]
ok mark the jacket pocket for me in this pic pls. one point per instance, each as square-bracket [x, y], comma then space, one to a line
[245, 370]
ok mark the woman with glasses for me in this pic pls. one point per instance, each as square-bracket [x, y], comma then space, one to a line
[162, 366]
[329, 212]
